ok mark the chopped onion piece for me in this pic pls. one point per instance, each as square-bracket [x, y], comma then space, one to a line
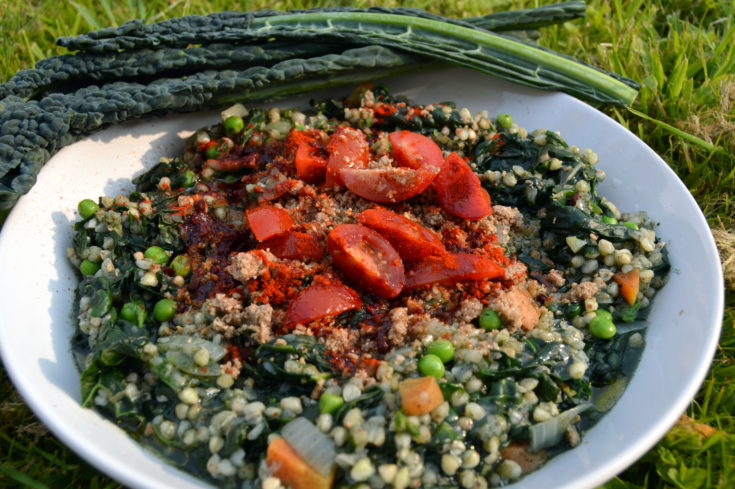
[316, 448]
[190, 345]
[238, 110]
[549, 433]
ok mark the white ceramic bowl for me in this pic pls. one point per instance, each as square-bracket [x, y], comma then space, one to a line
[37, 284]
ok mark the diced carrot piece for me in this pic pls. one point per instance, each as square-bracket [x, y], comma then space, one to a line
[293, 470]
[630, 283]
[267, 221]
[420, 396]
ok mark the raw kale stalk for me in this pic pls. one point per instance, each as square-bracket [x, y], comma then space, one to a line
[58, 70]
[501, 21]
[53, 73]
[533, 18]
[27, 143]
[464, 45]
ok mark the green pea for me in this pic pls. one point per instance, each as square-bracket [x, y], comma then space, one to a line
[630, 224]
[128, 312]
[89, 267]
[604, 313]
[213, 152]
[329, 403]
[87, 208]
[444, 349]
[181, 265]
[489, 320]
[431, 365]
[504, 120]
[134, 312]
[601, 327]
[234, 124]
[609, 220]
[156, 254]
[188, 179]
[164, 310]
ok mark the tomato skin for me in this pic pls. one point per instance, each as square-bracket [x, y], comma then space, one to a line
[320, 300]
[411, 240]
[419, 160]
[386, 185]
[347, 148]
[310, 155]
[267, 221]
[367, 258]
[459, 190]
[310, 166]
[451, 268]
[294, 245]
[415, 150]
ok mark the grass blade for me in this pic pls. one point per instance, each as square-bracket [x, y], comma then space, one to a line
[88, 16]
[21, 478]
[108, 11]
[678, 132]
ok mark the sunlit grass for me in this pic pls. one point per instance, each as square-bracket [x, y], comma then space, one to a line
[683, 53]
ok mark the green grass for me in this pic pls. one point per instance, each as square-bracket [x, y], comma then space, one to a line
[683, 52]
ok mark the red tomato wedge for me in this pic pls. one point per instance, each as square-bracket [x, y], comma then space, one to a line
[451, 268]
[386, 185]
[293, 245]
[459, 190]
[320, 300]
[367, 258]
[267, 221]
[311, 165]
[419, 160]
[416, 151]
[411, 240]
[310, 157]
[347, 148]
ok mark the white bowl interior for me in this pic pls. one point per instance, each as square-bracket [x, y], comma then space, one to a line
[37, 290]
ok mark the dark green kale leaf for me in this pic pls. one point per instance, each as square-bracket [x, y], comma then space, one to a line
[369, 397]
[548, 362]
[270, 358]
[613, 358]
[114, 359]
[569, 220]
